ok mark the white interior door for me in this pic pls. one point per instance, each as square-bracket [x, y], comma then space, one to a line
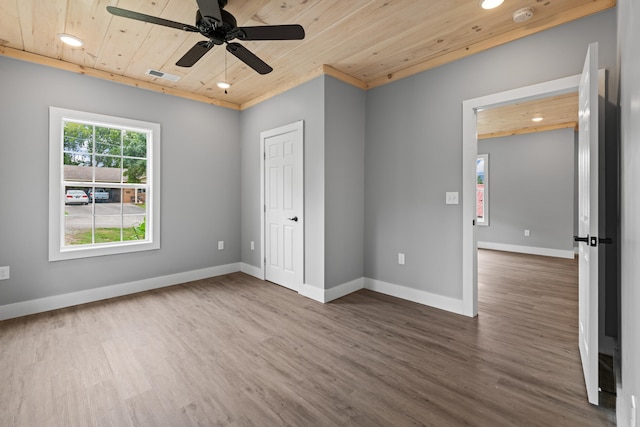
[283, 210]
[588, 222]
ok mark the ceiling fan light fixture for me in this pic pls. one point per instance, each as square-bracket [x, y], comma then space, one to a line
[70, 40]
[490, 4]
[223, 85]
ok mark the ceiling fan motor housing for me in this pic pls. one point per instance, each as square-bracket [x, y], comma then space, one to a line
[217, 34]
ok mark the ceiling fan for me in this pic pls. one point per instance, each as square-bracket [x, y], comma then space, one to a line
[220, 27]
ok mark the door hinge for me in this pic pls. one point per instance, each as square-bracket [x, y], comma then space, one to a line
[264, 155]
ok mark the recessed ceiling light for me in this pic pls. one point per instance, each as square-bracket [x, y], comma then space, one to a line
[536, 119]
[224, 85]
[70, 40]
[490, 4]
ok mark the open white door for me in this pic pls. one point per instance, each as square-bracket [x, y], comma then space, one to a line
[283, 210]
[588, 222]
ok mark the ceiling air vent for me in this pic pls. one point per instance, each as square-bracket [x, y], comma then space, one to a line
[166, 76]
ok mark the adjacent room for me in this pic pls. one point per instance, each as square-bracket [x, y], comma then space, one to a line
[264, 213]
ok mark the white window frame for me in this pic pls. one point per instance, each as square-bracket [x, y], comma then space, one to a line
[57, 249]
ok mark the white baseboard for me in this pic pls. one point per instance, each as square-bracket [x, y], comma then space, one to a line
[421, 297]
[40, 305]
[324, 296]
[24, 308]
[532, 250]
[313, 292]
[344, 289]
[252, 270]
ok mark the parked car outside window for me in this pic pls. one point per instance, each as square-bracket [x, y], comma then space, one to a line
[76, 197]
[100, 195]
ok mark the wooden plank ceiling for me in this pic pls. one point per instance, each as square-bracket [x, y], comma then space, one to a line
[556, 112]
[365, 42]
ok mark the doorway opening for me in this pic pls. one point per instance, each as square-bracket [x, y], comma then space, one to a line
[470, 153]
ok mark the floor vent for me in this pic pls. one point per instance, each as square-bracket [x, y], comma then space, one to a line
[166, 76]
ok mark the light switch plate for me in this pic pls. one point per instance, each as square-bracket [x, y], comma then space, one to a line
[401, 259]
[4, 273]
[452, 197]
[221, 245]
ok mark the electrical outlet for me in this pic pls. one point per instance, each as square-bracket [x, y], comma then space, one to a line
[221, 245]
[253, 245]
[4, 273]
[401, 259]
[527, 233]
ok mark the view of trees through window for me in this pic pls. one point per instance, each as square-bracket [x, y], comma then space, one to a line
[104, 177]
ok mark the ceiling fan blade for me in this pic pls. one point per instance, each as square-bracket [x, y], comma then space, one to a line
[271, 32]
[194, 54]
[151, 19]
[210, 9]
[246, 56]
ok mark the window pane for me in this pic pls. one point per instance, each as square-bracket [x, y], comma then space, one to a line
[77, 230]
[134, 171]
[106, 201]
[108, 141]
[136, 196]
[137, 224]
[108, 169]
[108, 228]
[134, 144]
[78, 138]
[78, 172]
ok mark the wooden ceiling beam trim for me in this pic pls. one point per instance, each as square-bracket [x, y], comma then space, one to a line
[532, 129]
[555, 20]
[105, 75]
[346, 78]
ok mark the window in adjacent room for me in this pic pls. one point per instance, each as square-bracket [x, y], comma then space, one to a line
[103, 185]
[482, 189]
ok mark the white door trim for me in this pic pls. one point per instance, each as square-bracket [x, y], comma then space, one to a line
[469, 155]
[295, 126]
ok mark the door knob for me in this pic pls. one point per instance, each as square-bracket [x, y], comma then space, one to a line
[294, 219]
[581, 239]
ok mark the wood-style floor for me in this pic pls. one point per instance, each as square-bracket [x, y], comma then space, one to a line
[234, 351]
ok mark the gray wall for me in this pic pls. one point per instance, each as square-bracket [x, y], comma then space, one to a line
[413, 149]
[305, 102]
[333, 114]
[531, 186]
[200, 177]
[628, 34]
[344, 182]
